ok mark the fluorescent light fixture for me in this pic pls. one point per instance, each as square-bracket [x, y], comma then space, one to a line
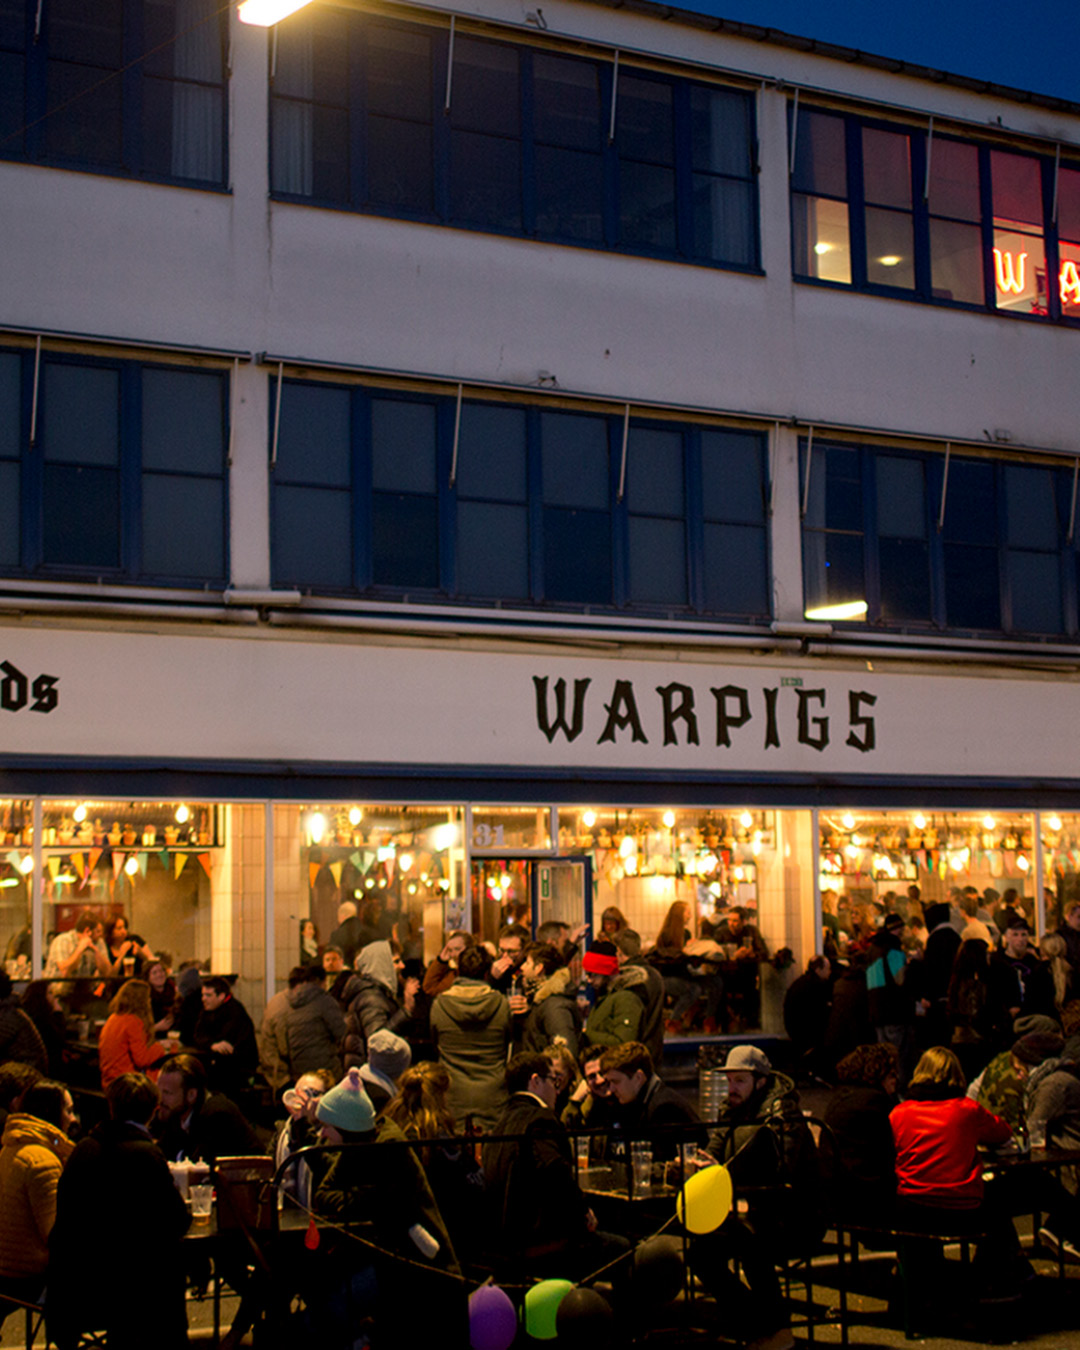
[850, 609]
[265, 13]
[821, 247]
[890, 260]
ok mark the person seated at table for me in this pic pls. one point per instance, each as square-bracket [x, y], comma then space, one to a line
[299, 1130]
[380, 1194]
[127, 1041]
[646, 1104]
[191, 1123]
[541, 1221]
[123, 945]
[763, 1139]
[388, 1056]
[163, 995]
[115, 1258]
[189, 995]
[547, 1010]
[617, 1014]
[856, 1150]
[1052, 1114]
[225, 1034]
[997, 1087]
[15, 1078]
[311, 1029]
[76, 954]
[34, 1152]
[19, 1037]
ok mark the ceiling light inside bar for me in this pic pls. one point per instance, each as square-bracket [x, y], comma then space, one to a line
[849, 609]
[265, 13]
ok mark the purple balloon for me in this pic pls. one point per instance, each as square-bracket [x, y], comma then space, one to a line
[493, 1319]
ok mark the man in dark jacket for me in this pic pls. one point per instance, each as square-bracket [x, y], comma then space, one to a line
[618, 1012]
[542, 1221]
[935, 971]
[126, 1277]
[20, 1039]
[226, 1035]
[1020, 983]
[546, 1010]
[807, 1004]
[646, 1103]
[311, 1031]
[190, 1123]
[627, 945]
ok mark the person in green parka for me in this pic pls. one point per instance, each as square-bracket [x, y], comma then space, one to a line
[616, 1016]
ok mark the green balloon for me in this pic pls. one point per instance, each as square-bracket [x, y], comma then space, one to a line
[541, 1306]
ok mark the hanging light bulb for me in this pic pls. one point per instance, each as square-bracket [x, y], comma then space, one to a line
[1054, 823]
[588, 819]
[669, 820]
[627, 846]
[989, 822]
[355, 816]
[848, 821]
[504, 880]
[316, 826]
[79, 814]
[746, 820]
[132, 865]
[1022, 863]
[920, 821]
[755, 847]
[406, 861]
[630, 864]
[26, 865]
[183, 815]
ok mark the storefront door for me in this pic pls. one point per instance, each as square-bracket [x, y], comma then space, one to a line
[530, 892]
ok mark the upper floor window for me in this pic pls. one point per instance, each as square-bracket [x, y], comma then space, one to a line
[527, 145]
[893, 210]
[536, 507]
[998, 557]
[119, 86]
[125, 477]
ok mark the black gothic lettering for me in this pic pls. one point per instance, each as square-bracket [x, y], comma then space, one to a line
[772, 734]
[725, 720]
[855, 719]
[13, 687]
[678, 704]
[46, 695]
[549, 726]
[622, 713]
[821, 739]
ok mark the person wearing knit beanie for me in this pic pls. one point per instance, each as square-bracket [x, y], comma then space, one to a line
[388, 1058]
[601, 958]
[346, 1112]
[1036, 1046]
[617, 1014]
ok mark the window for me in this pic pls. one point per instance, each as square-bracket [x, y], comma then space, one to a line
[892, 210]
[1000, 561]
[119, 86]
[358, 118]
[126, 477]
[373, 494]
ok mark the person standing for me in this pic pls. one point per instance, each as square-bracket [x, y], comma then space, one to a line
[311, 1030]
[618, 1013]
[470, 1024]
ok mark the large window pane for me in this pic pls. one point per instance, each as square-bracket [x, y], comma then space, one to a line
[732, 473]
[832, 568]
[10, 547]
[954, 180]
[402, 445]
[736, 570]
[182, 421]
[890, 248]
[886, 167]
[901, 497]
[400, 165]
[971, 587]
[485, 181]
[569, 194]
[904, 565]
[577, 557]
[399, 73]
[835, 489]
[646, 205]
[724, 225]
[485, 90]
[313, 438]
[567, 95]
[1034, 581]
[657, 561]
[81, 414]
[1030, 508]
[720, 126]
[312, 539]
[491, 453]
[404, 541]
[81, 508]
[956, 262]
[645, 120]
[820, 155]
[821, 241]
[492, 550]
[654, 472]
[575, 460]
[183, 527]
[86, 123]
[9, 405]
[971, 502]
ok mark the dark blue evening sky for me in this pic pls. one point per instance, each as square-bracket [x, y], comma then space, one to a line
[1029, 44]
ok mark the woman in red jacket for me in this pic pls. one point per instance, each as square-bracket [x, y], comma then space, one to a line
[127, 1041]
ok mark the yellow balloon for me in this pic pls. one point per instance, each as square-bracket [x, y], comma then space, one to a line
[705, 1200]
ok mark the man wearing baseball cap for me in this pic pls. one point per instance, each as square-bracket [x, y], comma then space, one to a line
[1020, 983]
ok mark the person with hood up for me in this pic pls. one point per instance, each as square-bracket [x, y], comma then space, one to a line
[547, 1011]
[34, 1152]
[617, 1015]
[376, 999]
[470, 1024]
[311, 1029]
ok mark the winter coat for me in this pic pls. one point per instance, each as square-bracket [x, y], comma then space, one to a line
[372, 1001]
[20, 1039]
[651, 993]
[124, 1047]
[657, 1105]
[229, 1022]
[998, 1089]
[856, 1151]
[619, 1012]
[1052, 1100]
[888, 1000]
[32, 1156]
[937, 1138]
[275, 1068]
[310, 1032]
[470, 1024]
[554, 1012]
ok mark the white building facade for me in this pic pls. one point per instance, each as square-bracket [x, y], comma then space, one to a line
[433, 444]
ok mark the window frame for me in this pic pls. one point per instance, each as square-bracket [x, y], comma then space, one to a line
[528, 141]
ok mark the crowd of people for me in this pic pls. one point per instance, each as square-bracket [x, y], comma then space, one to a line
[471, 1075]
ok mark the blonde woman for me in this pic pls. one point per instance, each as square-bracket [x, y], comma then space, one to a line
[127, 1041]
[1054, 952]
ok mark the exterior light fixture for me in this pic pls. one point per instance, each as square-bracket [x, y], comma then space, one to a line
[849, 609]
[266, 13]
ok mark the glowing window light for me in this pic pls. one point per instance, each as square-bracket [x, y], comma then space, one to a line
[355, 816]
[746, 820]
[589, 819]
[920, 821]
[26, 865]
[890, 260]
[183, 815]
[266, 13]
[627, 846]
[1022, 863]
[406, 861]
[316, 827]
[989, 822]
[1069, 283]
[669, 819]
[131, 866]
[444, 836]
[1054, 823]
[848, 609]
[79, 814]
[848, 821]
[1009, 273]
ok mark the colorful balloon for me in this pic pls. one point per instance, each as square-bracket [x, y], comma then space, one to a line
[658, 1271]
[492, 1319]
[542, 1306]
[705, 1200]
[585, 1321]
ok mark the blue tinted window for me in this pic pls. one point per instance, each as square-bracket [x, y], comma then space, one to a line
[720, 131]
[312, 538]
[183, 421]
[81, 510]
[183, 526]
[732, 476]
[402, 445]
[575, 460]
[10, 529]
[486, 181]
[492, 550]
[971, 502]
[1030, 508]
[491, 453]
[654, 472]
[736, 568]
[972, 593]
[1034, 581]
[577, 556]
[405, 541]
[905, 580]
[567, 95]
[9, 406]
[657, 561]
[314, 436]
[901, 497]
[80, 414]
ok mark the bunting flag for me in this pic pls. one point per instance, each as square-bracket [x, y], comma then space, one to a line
[53, 865]
[79, 864]
[204, 858]
[163, 858]
[13, 859]
[335, 872]
[179, 863]
[118, 861]
[95, 854]
[144, 860]
[313, 871]
[354, 858]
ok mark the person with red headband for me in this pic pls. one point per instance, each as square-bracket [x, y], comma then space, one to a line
[616, 1016]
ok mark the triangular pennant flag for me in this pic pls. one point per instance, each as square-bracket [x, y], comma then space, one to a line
[13, 859]
[144, 859]
[53, 865]
[79, 864]
[180, 862]
[163, 858]
[335, 872]
[95, 854]
[313, 871]
[117, 863]
[311, 1237]
[204, 858]
[354, 858]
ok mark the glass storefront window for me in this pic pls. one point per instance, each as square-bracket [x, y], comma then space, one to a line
[16, 867]
[874, 862]
[1061, 864]
[510, 827]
